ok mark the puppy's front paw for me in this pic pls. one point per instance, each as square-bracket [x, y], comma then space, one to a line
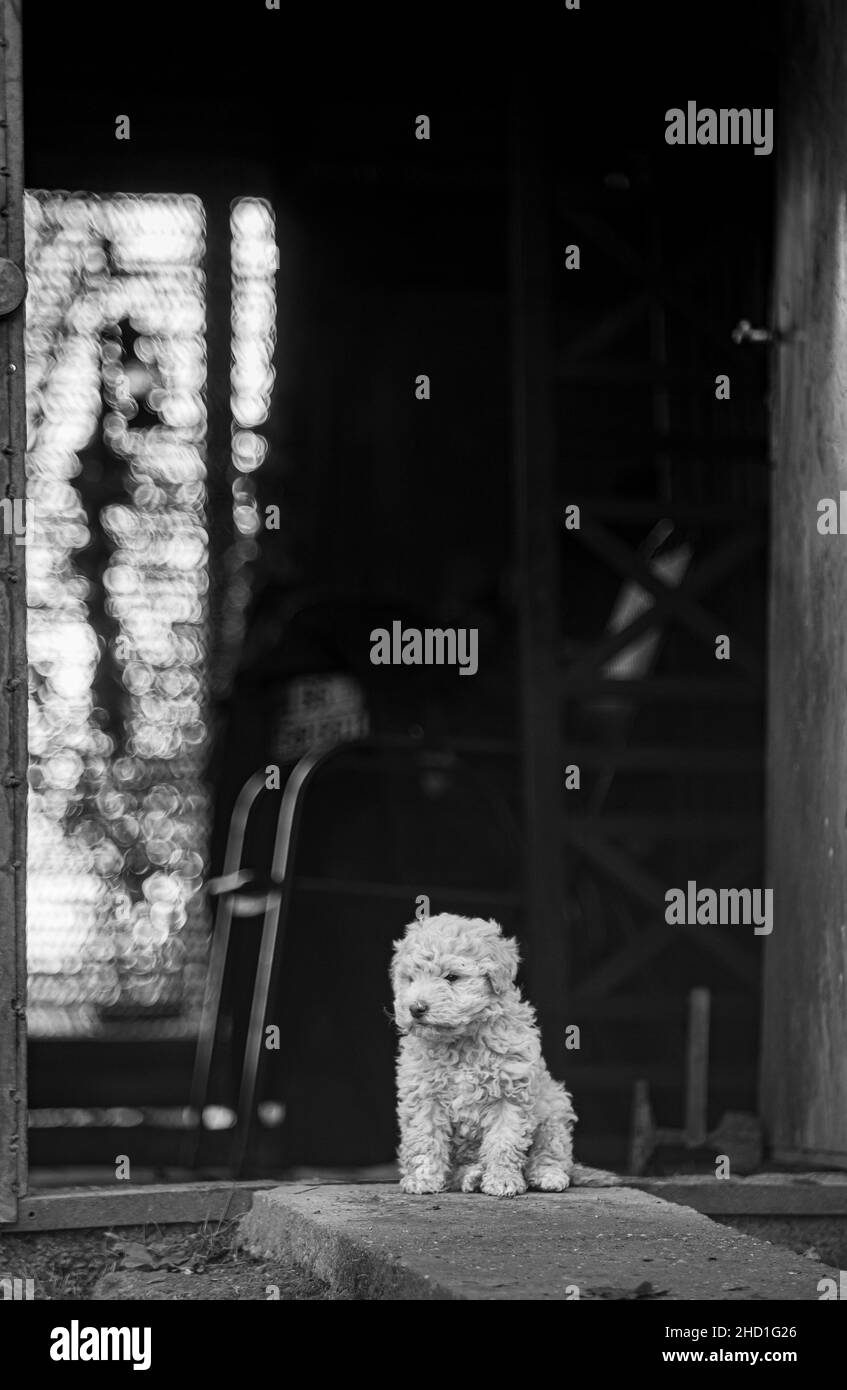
[471, 1177]
[552, 1178]
[421, 1181]
[503, 1182]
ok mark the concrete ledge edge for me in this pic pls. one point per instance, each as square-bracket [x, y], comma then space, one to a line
[348, 1266]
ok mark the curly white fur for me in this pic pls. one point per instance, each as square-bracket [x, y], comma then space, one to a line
[478, 1109]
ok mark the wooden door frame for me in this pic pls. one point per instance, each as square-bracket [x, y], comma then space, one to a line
[804, 1024]
[13, 668]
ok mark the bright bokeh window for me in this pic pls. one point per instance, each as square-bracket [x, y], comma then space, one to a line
[117, 579]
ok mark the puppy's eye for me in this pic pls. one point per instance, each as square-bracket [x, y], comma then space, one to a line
[451, 979]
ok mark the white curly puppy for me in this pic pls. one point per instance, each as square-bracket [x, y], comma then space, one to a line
[478, 1109]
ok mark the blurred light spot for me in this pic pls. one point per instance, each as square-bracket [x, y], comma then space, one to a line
[271, 1113]
[254, 260]
[219, 1117]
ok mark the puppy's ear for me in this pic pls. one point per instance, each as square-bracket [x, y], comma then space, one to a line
[396, 953]
[400, 943]
[502, 963]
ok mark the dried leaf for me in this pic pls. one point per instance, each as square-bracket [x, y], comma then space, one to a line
[134, 1255]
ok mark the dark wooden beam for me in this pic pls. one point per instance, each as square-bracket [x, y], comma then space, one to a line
[536, 561]
[159, 1204]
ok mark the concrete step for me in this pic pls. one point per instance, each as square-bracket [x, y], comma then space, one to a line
[370, 1241]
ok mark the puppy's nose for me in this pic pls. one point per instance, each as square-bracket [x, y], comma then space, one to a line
[418, 1010]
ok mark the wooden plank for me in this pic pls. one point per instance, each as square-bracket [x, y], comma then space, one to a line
[606, 448]
[13, 669]
[697, 1066]
[588, 682]
[649, 1008]
[644, 886]
[406, 892]
[716, 827]
[821, 1158]
[651, 510]
[124, 1205]
[782, 1195]
[804, 1058]
[621, 1076]
[660, 937]
[669, 758]
[624, 373]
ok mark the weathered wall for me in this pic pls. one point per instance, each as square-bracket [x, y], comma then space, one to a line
[804, 1078]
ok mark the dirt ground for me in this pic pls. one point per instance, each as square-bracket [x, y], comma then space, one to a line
[150, 1264]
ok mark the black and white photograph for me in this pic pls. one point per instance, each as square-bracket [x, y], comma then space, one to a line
[423, 675]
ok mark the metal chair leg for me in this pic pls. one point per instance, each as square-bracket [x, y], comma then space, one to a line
[270, 950]
[210, 1014]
